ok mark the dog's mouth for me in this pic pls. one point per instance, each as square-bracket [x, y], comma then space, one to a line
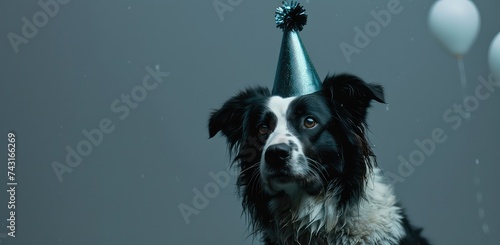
[286, 180]
[283, 180]
[276, 179]
[281, 177]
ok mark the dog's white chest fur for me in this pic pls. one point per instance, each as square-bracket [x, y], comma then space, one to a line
[303, 219]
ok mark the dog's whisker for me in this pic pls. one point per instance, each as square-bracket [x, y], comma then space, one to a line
[254, 179]
[316, 163]
[250, 168]
[318, 167]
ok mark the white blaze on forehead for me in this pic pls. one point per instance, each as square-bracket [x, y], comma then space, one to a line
[279, 106]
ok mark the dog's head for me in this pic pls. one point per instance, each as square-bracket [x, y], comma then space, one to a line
[313, 143]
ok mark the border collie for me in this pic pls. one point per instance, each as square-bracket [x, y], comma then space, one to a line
[307, 172]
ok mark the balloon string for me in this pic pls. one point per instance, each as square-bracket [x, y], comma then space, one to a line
[463, 77]
[461, 68]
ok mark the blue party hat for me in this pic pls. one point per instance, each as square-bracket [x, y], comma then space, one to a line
[295, 74]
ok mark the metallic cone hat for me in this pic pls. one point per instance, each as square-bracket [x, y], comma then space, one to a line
[295, 74]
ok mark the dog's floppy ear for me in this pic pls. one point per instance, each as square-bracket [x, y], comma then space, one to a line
[352, 94]
[230, 117]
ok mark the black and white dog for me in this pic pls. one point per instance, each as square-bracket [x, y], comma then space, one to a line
[308, 174]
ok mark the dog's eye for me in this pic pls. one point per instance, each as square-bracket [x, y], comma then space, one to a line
[310, 122]
[264, 129]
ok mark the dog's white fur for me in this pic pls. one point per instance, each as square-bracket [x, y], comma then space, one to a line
[377, 220]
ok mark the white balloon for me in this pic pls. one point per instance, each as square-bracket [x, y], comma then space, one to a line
[455, 23]
[494, 57]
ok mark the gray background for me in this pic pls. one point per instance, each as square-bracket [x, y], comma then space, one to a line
[127, 191]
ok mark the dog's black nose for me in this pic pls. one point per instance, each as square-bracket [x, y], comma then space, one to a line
[276, 155]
